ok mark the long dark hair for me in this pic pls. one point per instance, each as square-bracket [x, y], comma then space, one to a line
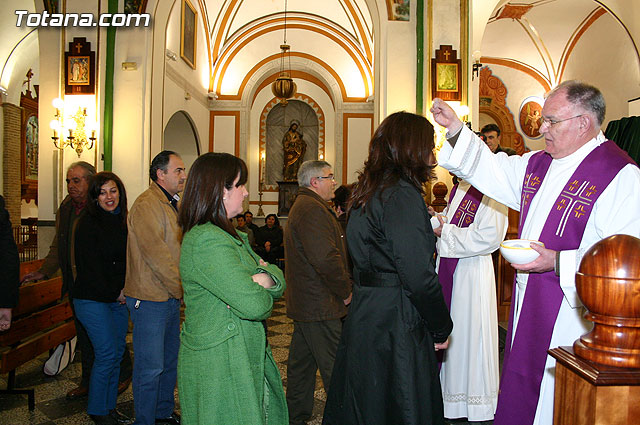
[202, 200]
[401, 148]
[97, 181]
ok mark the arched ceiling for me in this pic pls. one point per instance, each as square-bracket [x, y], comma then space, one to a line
[538, 36]
[19, 44]
[335, 35]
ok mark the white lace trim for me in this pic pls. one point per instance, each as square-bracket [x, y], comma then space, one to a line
[470, 399]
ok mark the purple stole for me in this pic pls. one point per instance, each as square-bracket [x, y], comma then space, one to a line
[524, 361]
[464, 216]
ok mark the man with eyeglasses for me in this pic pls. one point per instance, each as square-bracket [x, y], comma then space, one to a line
[318, 286]
[60, 258]
[580, 189]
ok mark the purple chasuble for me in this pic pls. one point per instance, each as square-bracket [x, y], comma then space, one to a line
[524, 360]
[464, 216]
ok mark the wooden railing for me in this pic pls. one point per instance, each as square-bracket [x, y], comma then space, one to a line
[26, 237]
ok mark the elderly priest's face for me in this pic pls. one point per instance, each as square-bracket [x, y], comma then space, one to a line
[564, 126]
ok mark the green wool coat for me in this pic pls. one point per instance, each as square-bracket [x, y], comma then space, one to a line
[226, 372]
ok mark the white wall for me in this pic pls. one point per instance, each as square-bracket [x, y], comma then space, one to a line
[359, 136]
[399, 56]
[615, 71]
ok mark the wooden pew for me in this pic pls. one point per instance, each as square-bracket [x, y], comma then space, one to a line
[41, 321]
[30, 266]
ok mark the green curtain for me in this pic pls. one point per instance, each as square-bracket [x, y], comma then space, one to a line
[626, 133]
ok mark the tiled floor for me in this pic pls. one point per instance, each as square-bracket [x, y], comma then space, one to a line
[53, 408]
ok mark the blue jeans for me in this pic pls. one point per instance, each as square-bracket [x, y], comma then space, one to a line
[106, 324]
[156, 340]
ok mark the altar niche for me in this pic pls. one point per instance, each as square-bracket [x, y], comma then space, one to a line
[295, 125]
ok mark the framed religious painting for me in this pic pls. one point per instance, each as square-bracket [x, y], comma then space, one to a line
[188, 32]
[530, 118]
[446, 79]
[29, 142]
[80, 68]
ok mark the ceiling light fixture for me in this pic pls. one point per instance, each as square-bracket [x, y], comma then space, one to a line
[283, 87]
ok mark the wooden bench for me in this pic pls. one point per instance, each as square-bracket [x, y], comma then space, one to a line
[41, 321]
[30, 266]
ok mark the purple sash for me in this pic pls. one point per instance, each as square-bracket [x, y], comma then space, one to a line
[524, 361]
[464, 216]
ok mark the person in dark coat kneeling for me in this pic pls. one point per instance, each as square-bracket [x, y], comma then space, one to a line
[386, 370]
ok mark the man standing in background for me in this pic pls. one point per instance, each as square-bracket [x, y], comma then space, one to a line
[491, 133]
[319, 288]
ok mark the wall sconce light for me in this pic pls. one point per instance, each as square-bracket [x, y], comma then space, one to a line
[129, 66]
[76, 126]
[475, 72]
[171, 55]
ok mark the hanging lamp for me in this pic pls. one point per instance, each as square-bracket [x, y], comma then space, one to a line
[283, 87]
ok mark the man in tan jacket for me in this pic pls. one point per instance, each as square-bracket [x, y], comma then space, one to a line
[153, 290]
[319, 287]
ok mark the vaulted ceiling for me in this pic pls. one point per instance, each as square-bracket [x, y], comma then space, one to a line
[539, 36]
[333, 36]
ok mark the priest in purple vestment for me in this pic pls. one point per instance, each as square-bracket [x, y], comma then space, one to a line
[580, 189]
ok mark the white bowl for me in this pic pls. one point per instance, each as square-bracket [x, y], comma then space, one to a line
[519, 251]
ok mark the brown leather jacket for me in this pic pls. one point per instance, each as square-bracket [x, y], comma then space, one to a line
[316, 261]
[153, 248]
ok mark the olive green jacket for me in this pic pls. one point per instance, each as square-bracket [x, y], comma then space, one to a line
[226, 372]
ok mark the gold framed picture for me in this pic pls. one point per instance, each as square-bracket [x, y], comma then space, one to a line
[446, 78]
[188, 32]
[80, 68]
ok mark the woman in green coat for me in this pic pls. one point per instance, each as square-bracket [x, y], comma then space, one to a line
[226, 372]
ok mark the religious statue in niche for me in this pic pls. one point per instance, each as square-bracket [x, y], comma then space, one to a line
[294, 148]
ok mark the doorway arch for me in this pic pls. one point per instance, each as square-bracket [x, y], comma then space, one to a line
[181, 136]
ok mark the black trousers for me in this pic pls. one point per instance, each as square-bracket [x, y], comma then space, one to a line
[313, 346]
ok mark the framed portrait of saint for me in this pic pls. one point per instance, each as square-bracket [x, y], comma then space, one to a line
[446, 78]
[29, 143]
[80, 68]
[530, 118]
[188, 32]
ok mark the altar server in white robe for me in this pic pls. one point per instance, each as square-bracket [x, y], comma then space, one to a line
[469, 230]
[579, 190]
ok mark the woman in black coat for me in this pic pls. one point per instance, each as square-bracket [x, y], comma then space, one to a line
[386, 370]
[269, 240]
[100, 267]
